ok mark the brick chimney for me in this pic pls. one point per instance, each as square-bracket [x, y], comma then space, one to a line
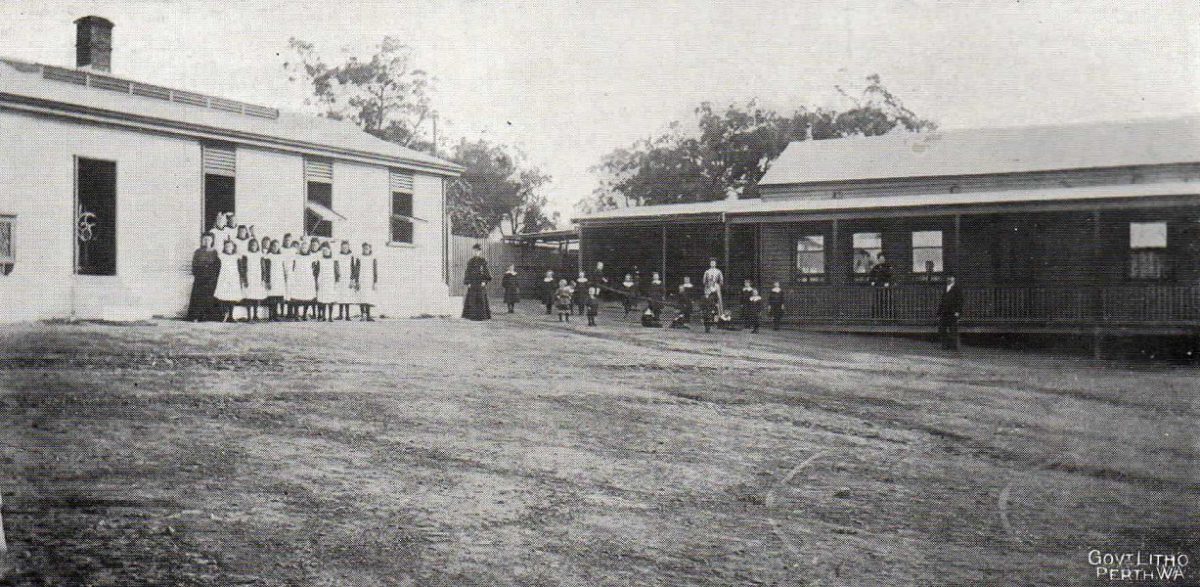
[93, 43]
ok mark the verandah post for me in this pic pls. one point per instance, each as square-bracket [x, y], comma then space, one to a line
[663, 274]
[832, 275]
[579, 256]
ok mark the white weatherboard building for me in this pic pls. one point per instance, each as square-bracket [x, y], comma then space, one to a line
[106, 185]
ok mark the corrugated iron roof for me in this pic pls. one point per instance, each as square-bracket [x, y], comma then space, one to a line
[1150, 141]
[29, 80]
[757, 206]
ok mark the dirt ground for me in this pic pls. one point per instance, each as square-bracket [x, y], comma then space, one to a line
[525, 452]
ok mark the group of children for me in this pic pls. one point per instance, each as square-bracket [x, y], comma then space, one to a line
[582, 296]
[291, 279]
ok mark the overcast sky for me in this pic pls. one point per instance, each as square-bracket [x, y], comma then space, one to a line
[568, 82]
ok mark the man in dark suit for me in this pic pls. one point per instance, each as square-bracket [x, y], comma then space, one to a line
[949, 310]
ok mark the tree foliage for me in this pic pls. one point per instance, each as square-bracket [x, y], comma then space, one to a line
[733, 148]
[386, 95]
[497, 190]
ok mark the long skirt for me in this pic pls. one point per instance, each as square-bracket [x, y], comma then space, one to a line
[475, 304]
[203, 303]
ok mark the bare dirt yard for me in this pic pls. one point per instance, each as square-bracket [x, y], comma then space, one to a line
[525, 452]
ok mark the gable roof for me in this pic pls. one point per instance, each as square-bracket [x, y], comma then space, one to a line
[1151, 141]
[80, 93]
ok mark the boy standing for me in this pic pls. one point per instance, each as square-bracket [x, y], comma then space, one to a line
[593, 304]
[775, 305]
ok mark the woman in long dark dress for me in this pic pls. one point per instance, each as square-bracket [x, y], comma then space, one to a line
[475, 303]
[205, 268]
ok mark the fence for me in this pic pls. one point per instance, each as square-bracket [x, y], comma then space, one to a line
[1122, 305]
[531, 261]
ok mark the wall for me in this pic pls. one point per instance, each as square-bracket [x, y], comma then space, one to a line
[269, 191]
[158, 215]
[159, 206]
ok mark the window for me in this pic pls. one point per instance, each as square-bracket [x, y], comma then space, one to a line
[401, 184]
[220, 167]
[1148, 250]
[927, 254]
[810, 259]
[95, 217]
[867, 246]
[8, 252]
[318, 210]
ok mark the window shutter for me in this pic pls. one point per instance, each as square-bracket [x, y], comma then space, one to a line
[220, 160]
[400, 181]
[318, 170]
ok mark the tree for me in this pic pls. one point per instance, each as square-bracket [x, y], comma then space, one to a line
[497, 189]
[731, 151]
[385, 95]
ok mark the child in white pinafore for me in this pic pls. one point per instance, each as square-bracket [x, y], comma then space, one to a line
[256, 291]
[327, 288]
[229, 280]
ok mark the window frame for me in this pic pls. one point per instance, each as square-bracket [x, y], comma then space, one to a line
[864, 277]
[1163, 253]
[397, 216]
[928, 276]
[316, 228]
[798, 275]
[9, 261]
[116, 206]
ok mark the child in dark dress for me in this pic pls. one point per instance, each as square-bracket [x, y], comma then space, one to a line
[775, 305]
[512, 288]
[549, 286]
[593, 305]
[684, 301]
[708, 311]
[754, 310]
[744, 303]
[629, 293]
[581, 292]
[657, 293]
[649, 320]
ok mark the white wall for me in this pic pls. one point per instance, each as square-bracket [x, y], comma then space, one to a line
[158, 215]
[411, 275]
[269, 192]
[159, 202]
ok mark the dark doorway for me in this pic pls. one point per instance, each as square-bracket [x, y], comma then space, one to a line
[218, 198]
[95, 217]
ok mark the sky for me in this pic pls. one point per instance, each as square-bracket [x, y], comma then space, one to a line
[567, 82]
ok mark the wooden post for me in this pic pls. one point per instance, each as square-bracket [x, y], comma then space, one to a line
[831, 271]
[3, 544]
[727, 268]
[579, 257]
[956, 259]
[1098, 268]
[663, 274]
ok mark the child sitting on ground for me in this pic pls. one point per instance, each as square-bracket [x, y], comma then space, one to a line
[684, 318]
[649, 320]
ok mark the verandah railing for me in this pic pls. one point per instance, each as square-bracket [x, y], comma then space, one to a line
[1110, 305]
